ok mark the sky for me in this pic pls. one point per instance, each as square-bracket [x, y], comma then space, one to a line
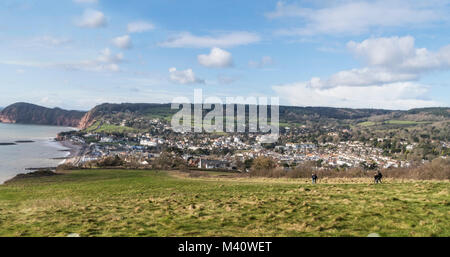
[75, 54]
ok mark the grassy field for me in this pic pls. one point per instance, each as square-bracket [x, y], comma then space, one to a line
[366, 123]
[393, 122]
[151, 203]
[108, 128]
[406, 122]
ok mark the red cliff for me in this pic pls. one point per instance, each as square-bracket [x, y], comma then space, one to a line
[25, 113]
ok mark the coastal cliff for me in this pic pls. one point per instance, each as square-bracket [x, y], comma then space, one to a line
[25, 113]
[87, 120]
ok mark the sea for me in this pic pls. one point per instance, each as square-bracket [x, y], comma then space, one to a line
[14, 159]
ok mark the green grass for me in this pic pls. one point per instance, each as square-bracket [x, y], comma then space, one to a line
[406, 122]
[108, 128]
[393, 122]
[166, 117]
[150, 203]
[366, 123]
[93, 127]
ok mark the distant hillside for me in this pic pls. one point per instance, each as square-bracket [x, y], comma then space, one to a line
[126, 111]
[299, 114]
[437, 111]
[115, 113]
[287, 113]
[25, 113]
[137, 115]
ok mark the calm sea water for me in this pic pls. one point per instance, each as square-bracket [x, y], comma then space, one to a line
[15, 158]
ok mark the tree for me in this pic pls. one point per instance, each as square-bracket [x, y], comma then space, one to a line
[248, 163]
[263, 163]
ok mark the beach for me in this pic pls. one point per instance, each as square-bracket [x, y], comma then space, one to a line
[73, 149]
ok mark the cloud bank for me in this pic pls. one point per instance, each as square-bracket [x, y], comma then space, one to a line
[356, 17]
[393, 66]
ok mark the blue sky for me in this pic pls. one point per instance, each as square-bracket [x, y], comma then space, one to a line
[76, 54]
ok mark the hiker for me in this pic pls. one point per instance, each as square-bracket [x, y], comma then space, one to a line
[314, 178]
[378, 177]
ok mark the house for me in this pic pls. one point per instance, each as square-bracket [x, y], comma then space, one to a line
[307, 146]
[148, 142]
[269, 138]
[106, 140]
[291, 145]
[213, 164]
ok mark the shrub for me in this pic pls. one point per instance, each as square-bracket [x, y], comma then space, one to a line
[168, 161]
[437, 169]
[66, 166]
[110, 161]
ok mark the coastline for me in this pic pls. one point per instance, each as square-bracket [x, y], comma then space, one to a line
[73, 152]
[31, 147]
[73, 149]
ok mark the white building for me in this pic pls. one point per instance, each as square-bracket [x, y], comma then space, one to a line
[148, 142]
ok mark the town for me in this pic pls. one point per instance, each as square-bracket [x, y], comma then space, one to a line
[233, 151]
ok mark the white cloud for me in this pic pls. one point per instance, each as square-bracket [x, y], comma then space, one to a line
[105, 61]
[384, 51]
[123, 42]
[48, 41]
[282, 11]
[232, 39]
[403, 95]
[86, 1]
[400, 54]
[91, 19]
[265, 61]
[387, 60]
[107, 57]
[184, 76]
[139, 26]
[387, 81]
[217, 58]
[362, 77]
[367, 77]
[355, 17]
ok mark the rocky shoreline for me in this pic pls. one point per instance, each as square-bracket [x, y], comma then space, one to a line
[24, 141]
[17, 142]
[7, 143]
[34, 174]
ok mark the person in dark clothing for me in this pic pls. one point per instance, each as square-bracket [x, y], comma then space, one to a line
[378, 177]
[314, 178]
